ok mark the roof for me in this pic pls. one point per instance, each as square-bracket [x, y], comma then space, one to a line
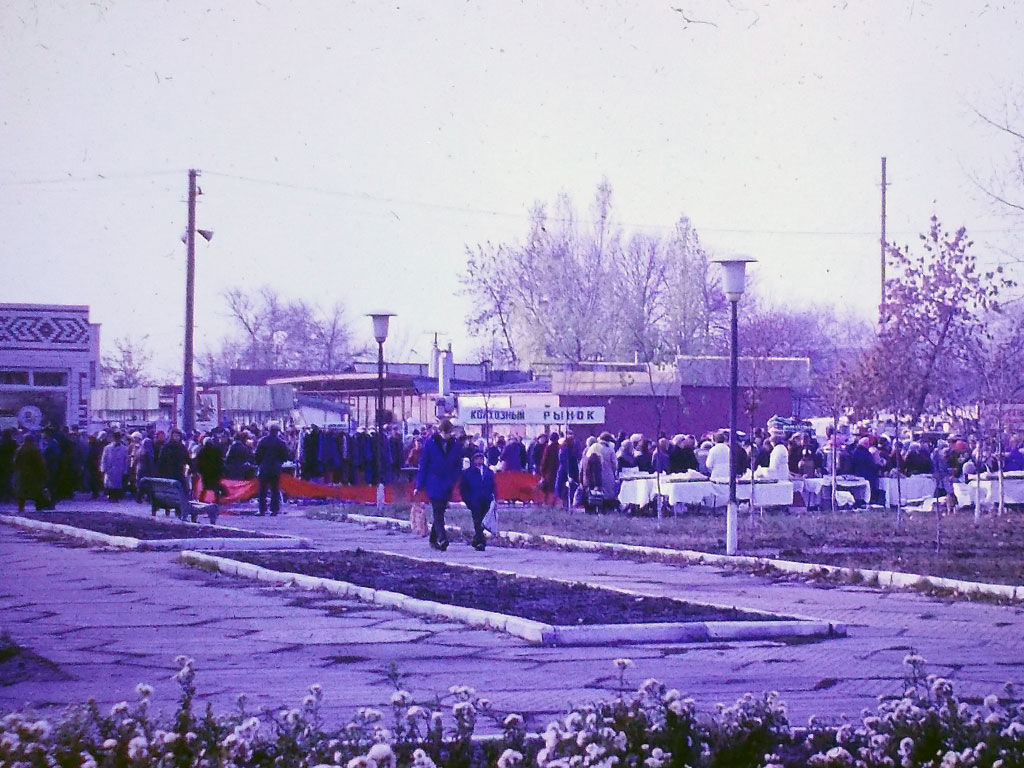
[765, 372]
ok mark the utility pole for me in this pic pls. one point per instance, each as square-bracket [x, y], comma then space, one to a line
[188, 394]
[883, 241]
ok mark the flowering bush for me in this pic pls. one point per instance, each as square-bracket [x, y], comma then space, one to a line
[652, 727]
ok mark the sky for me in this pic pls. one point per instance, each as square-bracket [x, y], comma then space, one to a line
[351, 151]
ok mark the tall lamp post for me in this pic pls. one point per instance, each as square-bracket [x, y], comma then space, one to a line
[486, 363]
[380, 333]
[735, 269]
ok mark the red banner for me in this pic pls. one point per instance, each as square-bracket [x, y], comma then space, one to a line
[510, 486]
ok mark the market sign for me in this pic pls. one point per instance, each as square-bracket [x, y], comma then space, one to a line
[556, 415]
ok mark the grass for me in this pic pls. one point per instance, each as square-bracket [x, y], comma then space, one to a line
[991, 551]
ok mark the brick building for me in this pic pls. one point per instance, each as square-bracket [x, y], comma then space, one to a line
[49, 361]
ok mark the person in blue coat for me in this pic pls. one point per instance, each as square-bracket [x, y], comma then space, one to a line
[477, 491]
[440, 469]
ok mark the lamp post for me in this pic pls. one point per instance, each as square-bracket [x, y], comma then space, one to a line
[486, 363]
[735, 268]
[380, 334]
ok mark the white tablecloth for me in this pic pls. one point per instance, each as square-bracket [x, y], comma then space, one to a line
[1013, 491]
[911, 488]
[859, 487]
[690, 492]
[778, 494]
[638, 490]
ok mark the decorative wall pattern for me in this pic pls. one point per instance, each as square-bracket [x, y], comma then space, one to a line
[49, 329]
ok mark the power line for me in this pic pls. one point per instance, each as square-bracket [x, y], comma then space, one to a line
[478, 211]
[69, 179]
[509, 214]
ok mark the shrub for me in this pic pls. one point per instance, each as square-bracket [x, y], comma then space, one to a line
[651, 728]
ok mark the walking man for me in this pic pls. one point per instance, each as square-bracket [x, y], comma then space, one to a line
[477, 490]
[440, 469]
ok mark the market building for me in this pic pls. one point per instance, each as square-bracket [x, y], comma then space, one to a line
[49, 363]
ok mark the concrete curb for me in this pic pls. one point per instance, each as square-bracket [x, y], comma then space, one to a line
[885, 579]
[532, 631]
[129, 542]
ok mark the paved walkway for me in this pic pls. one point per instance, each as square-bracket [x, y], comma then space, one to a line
[110, 619]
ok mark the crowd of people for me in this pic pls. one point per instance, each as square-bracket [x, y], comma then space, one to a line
[54, 464]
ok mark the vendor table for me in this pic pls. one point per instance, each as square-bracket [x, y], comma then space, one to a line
[638, 489]
[1013, 491]
[910, 488]
[858, 486]
[768, 493]
[687, 491]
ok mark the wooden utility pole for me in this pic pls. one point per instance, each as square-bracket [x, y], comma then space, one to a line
[188, 393]
[883, 241]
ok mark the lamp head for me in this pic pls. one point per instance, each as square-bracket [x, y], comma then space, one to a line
[735, 269]
[380, 325]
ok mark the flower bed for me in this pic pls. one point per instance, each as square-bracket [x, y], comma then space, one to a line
[537, 599]
[651, 728]
[113, 524]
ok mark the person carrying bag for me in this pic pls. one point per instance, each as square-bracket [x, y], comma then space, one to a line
[477, 490]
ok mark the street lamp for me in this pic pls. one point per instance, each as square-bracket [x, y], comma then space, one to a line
[486, 363]
[380, 333]
[735, 268]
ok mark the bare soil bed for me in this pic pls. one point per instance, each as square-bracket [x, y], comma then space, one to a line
[114, 524]
[543, 600]
[990, 551]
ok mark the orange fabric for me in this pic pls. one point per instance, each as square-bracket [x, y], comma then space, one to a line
[510, 486]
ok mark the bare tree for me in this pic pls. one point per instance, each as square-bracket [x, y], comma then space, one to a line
[274, 332]
[127, 365]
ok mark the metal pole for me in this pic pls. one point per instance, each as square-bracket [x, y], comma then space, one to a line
[188, 384]
[731, 511]
[884, 243]
[380, 430]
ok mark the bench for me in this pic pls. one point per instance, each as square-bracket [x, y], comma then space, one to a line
[170, 495]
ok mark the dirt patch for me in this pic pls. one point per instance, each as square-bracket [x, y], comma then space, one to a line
[114, 524]
[544, 600]
[20, 665]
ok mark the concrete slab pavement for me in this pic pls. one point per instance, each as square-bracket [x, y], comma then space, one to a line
[109, 620]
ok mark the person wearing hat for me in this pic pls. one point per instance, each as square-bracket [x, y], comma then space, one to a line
[440, 469]
[271, 454]
[477, 490]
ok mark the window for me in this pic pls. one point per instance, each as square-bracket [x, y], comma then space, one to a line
[14, 378]
[49, 379]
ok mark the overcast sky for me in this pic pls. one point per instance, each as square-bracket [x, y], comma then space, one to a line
[351, 150]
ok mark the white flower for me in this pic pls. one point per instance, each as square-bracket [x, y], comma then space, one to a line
[1014, 730]
[170, 737]
[109, 744]
[991, 701]
[421, 759]
[360, 762]
[119, 709]
[88, 761]
[594, 751]
[416, 712]
[41, 728]
[623, 664]
[137, 747]
[144, 690]
[382, 756]
[514, 721]
[510, 759]
[401, 698]
[912, 660]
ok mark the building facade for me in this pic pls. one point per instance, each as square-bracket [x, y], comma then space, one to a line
[49, 363]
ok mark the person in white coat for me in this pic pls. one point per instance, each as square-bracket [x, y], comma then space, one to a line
[114, 465]
[718, 459]
[778, 460]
